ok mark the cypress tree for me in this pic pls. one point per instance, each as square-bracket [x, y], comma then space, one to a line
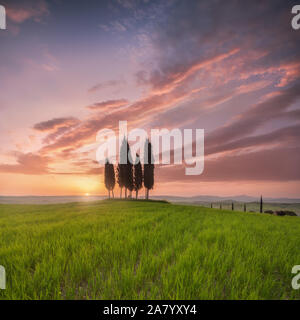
[261, 205]
[221, 206]
[138, 175]
[112, 178]
[119, 178]
[106, 177]
[121, 169]
[109, 177]
[148, 168]
[232, 206]
[129, 172]
[245, 209]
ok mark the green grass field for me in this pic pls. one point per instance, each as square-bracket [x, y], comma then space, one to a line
[146, 250]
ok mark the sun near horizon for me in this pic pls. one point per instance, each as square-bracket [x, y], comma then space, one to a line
[241, 85]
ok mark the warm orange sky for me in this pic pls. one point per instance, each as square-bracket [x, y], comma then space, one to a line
[223, 67]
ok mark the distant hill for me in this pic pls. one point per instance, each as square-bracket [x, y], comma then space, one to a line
[47, 199]
[193, 199]
[238, 198]
[274, 204]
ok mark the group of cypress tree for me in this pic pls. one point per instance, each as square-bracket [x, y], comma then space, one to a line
[130, 176]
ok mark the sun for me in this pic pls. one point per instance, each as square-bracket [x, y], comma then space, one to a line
[87, 194]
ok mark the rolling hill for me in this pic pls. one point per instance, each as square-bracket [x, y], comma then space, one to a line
[146, 250]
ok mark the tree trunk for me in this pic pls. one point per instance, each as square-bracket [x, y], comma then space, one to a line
[136, 194]
[112, 191]
[147, 194]
[108, 194]
[121, 193]
[125, 193]
[130, 194]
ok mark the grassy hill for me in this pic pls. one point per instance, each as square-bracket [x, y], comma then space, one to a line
[146, 250]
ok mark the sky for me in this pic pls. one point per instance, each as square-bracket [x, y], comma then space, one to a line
[71, 68]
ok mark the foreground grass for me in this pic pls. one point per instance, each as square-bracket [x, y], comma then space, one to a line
[144, 250]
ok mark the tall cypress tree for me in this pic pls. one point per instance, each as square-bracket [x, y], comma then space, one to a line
[129, 172]
[232, 206]
[245, 208]
[121, 169]
[112, 178]
[261, 205]
[148, 168]
[109, 177]
[137, 175]
[119, 178]
[106, 177]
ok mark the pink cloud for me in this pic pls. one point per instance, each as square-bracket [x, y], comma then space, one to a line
[108, 105]
[107, 84]
[55, 123]
[27, 163]
[165, 82]
[26, 10]
[279, 164]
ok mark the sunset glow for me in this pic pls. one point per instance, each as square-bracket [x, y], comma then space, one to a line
[156, 64]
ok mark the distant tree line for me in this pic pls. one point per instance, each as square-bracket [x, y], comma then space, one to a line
[244, 206]
[261, 205]
[130, 175]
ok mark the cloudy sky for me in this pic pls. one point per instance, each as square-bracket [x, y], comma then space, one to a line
[71, 68]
